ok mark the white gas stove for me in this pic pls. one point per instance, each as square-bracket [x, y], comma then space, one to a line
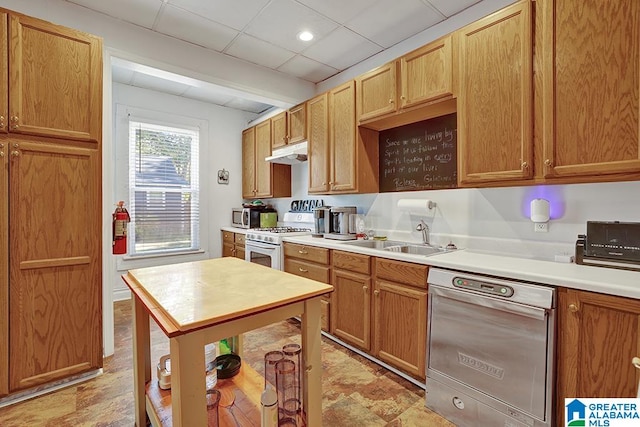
[293, 224]
[264, 245]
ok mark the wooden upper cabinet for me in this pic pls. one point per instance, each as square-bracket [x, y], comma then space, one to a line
[248, 163]
[62, 69]
[4, 73]
[263, 169]
[343, 134]
[279, 130]
[495, 100]
[591, 83]
[377, 92]
[297, 124]
[426, 74]
[318, 149]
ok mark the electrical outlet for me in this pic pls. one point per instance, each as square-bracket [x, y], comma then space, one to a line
[541, 227]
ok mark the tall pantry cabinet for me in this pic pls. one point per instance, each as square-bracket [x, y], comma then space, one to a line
[50, 202]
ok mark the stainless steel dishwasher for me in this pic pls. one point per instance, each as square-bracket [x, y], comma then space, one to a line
[490, 350]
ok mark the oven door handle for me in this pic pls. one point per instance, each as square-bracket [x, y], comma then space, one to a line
[494, 303]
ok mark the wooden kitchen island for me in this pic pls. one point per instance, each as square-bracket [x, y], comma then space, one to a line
[200, 302]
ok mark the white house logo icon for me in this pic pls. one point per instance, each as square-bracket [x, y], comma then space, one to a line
[575, 413]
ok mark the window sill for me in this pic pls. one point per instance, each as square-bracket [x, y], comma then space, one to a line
[124, 263]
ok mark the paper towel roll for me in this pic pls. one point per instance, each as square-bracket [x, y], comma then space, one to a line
[415, 205]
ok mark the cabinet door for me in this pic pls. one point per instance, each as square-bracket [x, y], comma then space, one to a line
[343, 134]
[318, 134]
[598, 335]
[279, 130]
[591, 79]
[4, 216]
[426, 73]
[351, 308]
[4, 73]
[248, 163]
[376, 92]
[239, 251]
[495, 112]
[55, 306]
[55, 80]
[263, 169]
[228, 249]
[297, 123]
[400, 326]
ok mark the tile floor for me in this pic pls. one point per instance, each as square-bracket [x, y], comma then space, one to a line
[356, 392]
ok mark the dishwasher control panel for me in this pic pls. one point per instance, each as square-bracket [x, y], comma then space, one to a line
[484, 287]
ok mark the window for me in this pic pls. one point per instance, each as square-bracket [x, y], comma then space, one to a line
[164, 188]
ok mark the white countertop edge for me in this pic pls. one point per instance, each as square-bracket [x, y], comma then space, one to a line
[596, 279]
[235, 229]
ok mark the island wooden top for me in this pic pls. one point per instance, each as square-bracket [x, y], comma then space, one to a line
[193, 295]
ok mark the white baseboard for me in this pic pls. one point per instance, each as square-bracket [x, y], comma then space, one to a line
[121, 294]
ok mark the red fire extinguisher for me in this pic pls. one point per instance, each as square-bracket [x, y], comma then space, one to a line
[120, 221]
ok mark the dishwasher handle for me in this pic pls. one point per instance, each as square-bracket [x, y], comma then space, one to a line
[489, 302]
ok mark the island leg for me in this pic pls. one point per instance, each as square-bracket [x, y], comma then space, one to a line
[141, 359]
[312, 374]
[188, 385]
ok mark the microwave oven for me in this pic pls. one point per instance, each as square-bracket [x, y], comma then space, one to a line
[248, 217]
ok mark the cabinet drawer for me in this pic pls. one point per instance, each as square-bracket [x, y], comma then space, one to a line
[352, 262]
[227, 236]
[240, 238]
[305, 269]
[402, 272]
[308, 253]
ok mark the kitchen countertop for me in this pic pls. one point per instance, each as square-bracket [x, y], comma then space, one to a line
[596, 279]
[235, 229]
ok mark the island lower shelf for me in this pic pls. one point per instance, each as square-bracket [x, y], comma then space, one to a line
[239, 401]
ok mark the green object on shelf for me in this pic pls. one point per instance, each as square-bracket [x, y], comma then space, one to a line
[223, 346]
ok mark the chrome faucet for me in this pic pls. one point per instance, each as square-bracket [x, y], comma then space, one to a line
[422, 226]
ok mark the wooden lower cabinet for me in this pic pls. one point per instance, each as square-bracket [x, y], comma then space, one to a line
[400, 315]
[598, 335]
[312, 263]
[233, 244]
[351, 311]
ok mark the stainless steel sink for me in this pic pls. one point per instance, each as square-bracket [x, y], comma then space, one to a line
[398, 246]
[375, 244]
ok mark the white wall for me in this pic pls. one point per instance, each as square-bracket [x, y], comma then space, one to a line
[222, 152]
[489, 219]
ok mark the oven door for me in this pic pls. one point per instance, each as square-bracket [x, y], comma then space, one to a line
[490, 345]
[265, 254]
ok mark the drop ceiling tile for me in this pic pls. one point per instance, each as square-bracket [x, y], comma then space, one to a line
[233, 13]
[387, 26]
[212, 96]
[451, 7]
[342, 49]
[280, 22]
[139, 12]
[307, 69]
[339, 10]
[258, 51]
[246, 105]
[193, 28]
[161, 85]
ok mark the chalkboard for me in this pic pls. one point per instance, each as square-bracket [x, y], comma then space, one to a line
[419, 156]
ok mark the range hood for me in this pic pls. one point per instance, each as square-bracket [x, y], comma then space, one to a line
[289, 154]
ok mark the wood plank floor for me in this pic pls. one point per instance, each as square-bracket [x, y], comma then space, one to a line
[356, 392]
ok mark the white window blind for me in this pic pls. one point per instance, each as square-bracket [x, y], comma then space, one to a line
[164, 188]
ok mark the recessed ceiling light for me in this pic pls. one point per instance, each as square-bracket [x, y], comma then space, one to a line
[305, 36]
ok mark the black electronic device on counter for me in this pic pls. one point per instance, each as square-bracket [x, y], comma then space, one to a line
[612, 244]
